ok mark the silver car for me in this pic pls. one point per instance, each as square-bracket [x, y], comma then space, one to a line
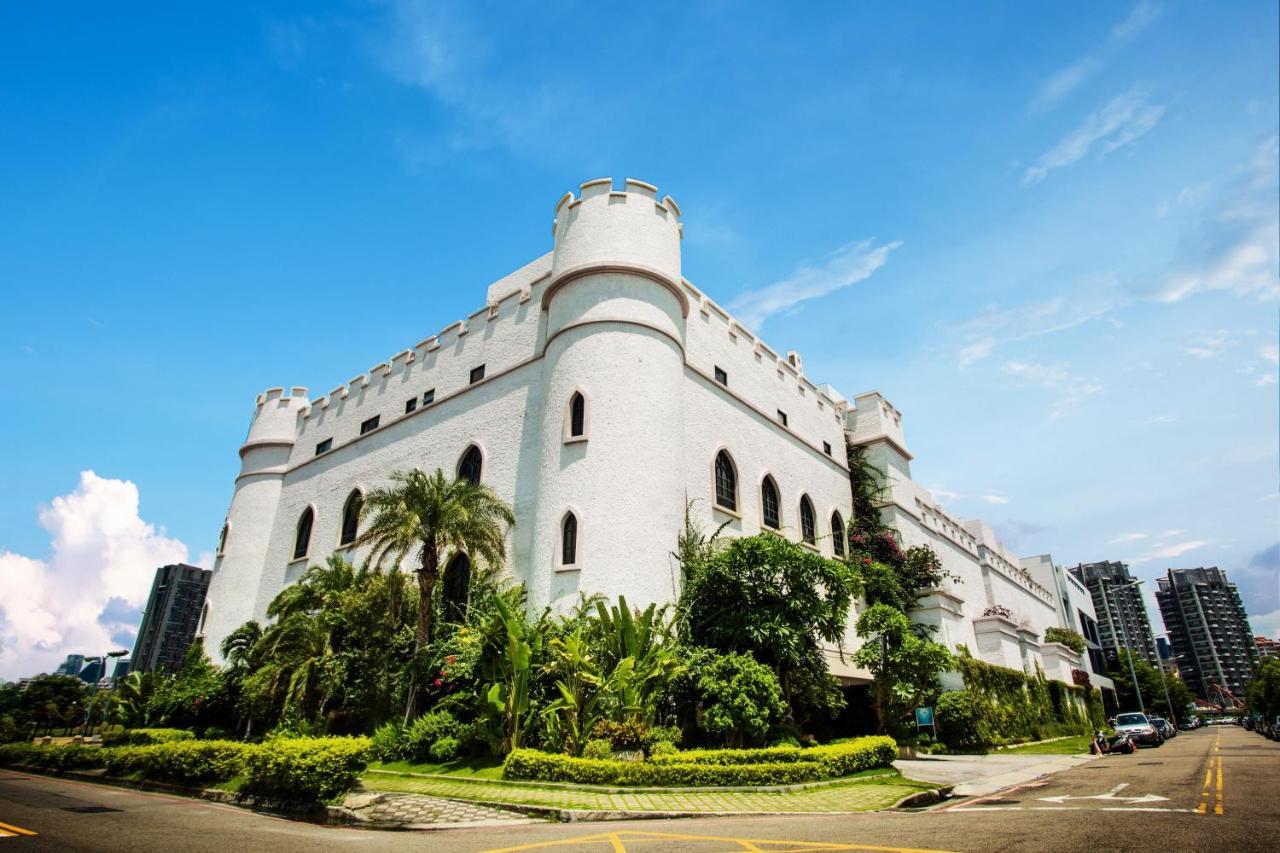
[1139, 728]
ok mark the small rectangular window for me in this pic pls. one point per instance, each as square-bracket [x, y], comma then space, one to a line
[722, 377]
[477, 373]
[410, 405]
[324, 446]
[782, 417]
[369, 425]
[428, 396]
[826, 447]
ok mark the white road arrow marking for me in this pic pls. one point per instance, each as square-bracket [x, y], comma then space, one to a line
[1109, 795]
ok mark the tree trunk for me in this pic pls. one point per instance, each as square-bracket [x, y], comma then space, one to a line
[427, 576]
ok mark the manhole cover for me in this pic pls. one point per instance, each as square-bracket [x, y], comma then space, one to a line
[89, 809]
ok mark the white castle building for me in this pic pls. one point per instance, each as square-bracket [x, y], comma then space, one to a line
[599, 392]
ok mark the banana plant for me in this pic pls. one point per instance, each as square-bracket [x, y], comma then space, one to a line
[508, 698]
[637, 652]
[584, 691]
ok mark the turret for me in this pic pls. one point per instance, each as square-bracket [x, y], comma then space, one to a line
[242, 544]
[615, 314]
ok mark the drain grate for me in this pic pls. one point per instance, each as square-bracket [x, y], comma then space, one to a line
[89, 809]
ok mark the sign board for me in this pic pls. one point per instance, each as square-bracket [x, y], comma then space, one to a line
[924, 717]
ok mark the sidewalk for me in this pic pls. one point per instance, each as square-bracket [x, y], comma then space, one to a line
[978, 775]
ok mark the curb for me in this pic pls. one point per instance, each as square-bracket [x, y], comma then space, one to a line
[924, 799]
[607, 789]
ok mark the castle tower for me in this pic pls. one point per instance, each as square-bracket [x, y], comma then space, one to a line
[614, 313]
[242, 545]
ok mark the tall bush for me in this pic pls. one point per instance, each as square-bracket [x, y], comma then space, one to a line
[311, 769]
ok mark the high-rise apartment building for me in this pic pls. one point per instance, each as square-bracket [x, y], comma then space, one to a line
[1212, 642]
[71, 666]
[1117, 601]
[172, 616]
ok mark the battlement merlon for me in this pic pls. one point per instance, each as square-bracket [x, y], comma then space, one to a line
[873, 418]
[275, 417]
[607, 227]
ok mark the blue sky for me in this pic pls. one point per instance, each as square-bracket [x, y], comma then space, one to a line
[1047, 232]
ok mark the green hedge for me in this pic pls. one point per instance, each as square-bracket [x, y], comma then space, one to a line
[309, 769]
[773, 766]
[313, 769]
[145, 737]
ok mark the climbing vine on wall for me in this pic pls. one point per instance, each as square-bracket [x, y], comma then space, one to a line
[1018, 707]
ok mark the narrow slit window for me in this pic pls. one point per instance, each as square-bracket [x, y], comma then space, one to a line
[569, 541]
[351, 518]
[826, 447]
[726, 482]
[722, 376]
[782, 417]
[769, 504]
[577, 416]
[808, 527]
[837, 534]
[302, 538]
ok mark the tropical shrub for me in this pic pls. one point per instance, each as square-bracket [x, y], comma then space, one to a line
[597, 749]
[741, 699]
[1066, 637]
[425, 731]
[445, 749]
[180, 762]
[961, 718]
[388, 742]
[310, 769]
[143, 737]
[627, 734]
[662, 748]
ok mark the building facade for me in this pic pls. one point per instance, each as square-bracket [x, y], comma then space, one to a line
[1267, 648]
[1122, 616]
[71, 666]
[1212, 642]
[170, 620]
[600, 394]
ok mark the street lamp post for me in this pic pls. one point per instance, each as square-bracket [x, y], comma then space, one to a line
[1124, 632]
[1165, 684]
[104, 660]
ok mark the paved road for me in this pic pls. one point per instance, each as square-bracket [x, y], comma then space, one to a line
[1166, 799]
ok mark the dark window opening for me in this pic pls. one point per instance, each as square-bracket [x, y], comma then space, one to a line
[410, 405]
[370, 425]
[477, 373]
[826, 447]
[457, 584]
[769, 503]
[302, 540]
[469, 468]
[837, 534]
[324, 446]
[782, 417]
[351, 518]
[808, 529]
[569, 541]
[222, 538]
[428, 396]
[577, 416]
[722, 377]
[726, 482]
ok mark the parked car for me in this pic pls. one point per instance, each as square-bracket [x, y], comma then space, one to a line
[1139, 728]
[1165, 728]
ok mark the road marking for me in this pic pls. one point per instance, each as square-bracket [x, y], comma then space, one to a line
[618, 840]
[8, 830]
[1109, 795]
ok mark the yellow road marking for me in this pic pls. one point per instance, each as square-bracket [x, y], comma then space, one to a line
[1217, 807]
[771, 845]
[10, 829]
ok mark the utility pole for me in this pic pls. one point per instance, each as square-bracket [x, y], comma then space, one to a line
[1124, 631]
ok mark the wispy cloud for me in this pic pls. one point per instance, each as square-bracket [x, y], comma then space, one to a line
[1069, 388]
[1235, 245]
[1123, 120]
[848, 265]
[1164, 418]
[1207, 345]
[1127, 537]
[996, 326]
[1169, 552]
[984, 497]
[1066, 80]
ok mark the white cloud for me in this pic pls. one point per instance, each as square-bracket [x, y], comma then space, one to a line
[1234, 246]
[1265, 624]
[1069, 387]
[1127, 537]
[1066, 80]
[1169, 552]
[1123, 120]
[985, 497]
[996, 326]
[848, 265]
[1265, 379]
[1173, 533]
[1269, 352]
[1211, 344]
[77, 600]
[1164, 419]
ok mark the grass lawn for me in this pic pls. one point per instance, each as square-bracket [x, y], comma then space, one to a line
[488, 767]
[1066, 746]
[852, 795]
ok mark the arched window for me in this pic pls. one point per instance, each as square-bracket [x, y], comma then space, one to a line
[769, 503]
[351, 518]
[457, 582]
[469, 467]
[726, 482]
[569, 540]
[577, 415]
[222, 537]
[837, 534]
[302, 539]
[808, 530]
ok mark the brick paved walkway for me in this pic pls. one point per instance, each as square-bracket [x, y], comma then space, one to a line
[410, 810]
[854, 796]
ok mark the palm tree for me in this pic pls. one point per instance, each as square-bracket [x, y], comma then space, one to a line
[239, 648]
[429, 514]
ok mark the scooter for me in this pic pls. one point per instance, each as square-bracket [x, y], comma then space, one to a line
[1104, 744]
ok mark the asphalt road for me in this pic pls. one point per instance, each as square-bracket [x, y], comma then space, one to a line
[1166, 799]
